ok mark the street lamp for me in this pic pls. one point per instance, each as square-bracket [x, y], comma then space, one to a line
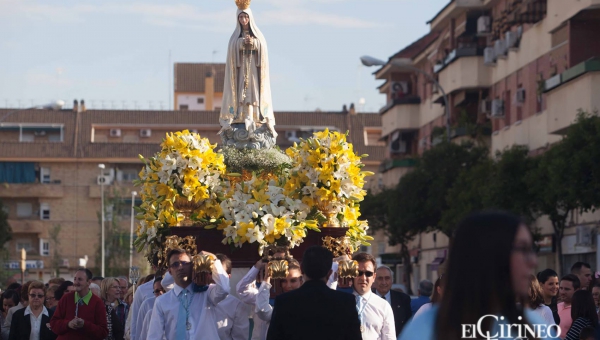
[101, 166]
[405, 63]
[133, 194]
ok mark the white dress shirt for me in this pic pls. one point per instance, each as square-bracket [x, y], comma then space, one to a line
[247, 291]
[387, 296]
[145, 309]
[36, 323]
[142, 293]
[377, 317]
[233, 319]
[202, 309]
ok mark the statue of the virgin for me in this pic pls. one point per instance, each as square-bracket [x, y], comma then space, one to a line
[247, 90]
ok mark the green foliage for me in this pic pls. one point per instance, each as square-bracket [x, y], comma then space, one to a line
[5, 229]
[269, 160]
[56, 261]
[374, 208]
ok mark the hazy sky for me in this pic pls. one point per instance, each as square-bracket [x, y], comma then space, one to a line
[118, 51]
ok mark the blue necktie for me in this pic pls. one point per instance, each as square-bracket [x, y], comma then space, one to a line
[181, 329]
[199, 289]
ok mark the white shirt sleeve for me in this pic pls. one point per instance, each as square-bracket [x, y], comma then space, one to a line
[547, 315]
[241, 323]
[219, 291]
[263, 309]
[157, 323]
[145, 326]
[246, 288]
[167, 282]
[144, 309]
[389, 327]
[332, 281]
[138, 299]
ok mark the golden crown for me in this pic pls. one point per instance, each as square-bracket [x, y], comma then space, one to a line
[243, 4]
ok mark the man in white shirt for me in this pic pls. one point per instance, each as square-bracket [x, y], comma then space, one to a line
[233, 315]
[146, 308]
[188, 311]
[375, 314]
[142, 293]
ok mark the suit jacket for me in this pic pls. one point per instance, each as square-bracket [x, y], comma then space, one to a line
[20, 327]
[400, 307]
[314, 311]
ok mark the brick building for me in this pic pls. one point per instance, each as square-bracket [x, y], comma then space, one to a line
[518, 70]
[49, 170]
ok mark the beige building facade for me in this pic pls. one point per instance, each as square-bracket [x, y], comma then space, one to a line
[519, 70]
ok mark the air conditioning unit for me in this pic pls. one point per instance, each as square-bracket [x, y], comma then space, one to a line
[115, 132]
[512, 40]
[104, 180]
[500, 49]
[145, 133]
[489, 56]
[291, 136]
[397, 145]
[485, 106]
[520, 96]
[497, 108]
[584, 236]
[484, 23]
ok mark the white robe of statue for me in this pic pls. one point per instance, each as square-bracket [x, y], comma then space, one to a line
[248, 101]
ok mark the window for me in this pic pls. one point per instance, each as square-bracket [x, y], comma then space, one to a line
[24, 209]
[183, 107]
[127, 175]
[372, 136]
[44, 211]
[44, 247]
[24, 244]
[201, 100]
[44, 175]
[27, 137]
[381, 248]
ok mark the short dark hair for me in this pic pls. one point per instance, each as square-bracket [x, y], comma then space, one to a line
[14, 286]
[25, 291]
[88, 273]
[175, 251]
[365, 257]
[576, 267]
[158, 279]
[225, 262]
[58, 294]
[425, 288]
[56, 280]
[11, 295]
[574, 280]
[316, 262]
[97, 278]
[545, 274]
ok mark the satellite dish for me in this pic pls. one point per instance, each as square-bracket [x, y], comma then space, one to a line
[56, 105]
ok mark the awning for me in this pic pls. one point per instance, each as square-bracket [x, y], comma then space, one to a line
[436, 263]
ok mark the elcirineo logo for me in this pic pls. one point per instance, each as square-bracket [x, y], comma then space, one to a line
[509, 331]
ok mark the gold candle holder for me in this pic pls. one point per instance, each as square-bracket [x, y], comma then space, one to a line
[202, 272]
[347, 271]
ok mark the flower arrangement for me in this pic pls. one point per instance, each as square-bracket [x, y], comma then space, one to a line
[186, 173]
[256, 210]
[326, 175]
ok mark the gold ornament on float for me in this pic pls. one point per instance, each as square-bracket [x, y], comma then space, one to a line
[202, 269]
[278, 269]
[243, 4]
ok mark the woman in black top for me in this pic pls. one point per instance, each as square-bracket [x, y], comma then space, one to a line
[583, 314]
[548, 279]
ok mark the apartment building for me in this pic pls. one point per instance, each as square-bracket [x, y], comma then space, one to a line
[518, 70]
[198, 86]
[49, 174]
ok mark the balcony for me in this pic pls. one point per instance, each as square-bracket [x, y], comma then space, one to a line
[402, 117]
[389, 164]
[16, 190]
[579, 92]
[28, 226]
[561, 11]
[465, 73]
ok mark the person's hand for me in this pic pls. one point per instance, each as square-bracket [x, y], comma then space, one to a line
[267, 277]
[73, 324]
[79, 323]
[260, 264]
[209, 254]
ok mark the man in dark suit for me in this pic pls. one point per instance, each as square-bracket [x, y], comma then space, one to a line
[315, 311]
[399, 301]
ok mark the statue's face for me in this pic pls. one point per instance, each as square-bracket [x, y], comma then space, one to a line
[244, 19]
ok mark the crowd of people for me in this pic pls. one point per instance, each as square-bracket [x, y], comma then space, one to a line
[487, 291]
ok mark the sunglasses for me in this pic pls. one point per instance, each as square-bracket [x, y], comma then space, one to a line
[39, 296]
[178, 264]
[365, 273]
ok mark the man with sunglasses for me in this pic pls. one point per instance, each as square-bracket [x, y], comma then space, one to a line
[188, 311]
[374, 313]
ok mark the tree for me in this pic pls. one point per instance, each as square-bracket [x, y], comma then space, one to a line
[492, 184]
[5, 229]
[116, 240]
[566, 179]
[54, 234]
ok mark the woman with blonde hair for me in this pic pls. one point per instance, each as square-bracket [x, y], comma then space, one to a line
[109, 292]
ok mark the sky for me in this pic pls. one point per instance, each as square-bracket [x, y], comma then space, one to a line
[120, 54]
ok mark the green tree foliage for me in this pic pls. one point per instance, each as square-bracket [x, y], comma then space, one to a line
[54, 234]
[5, 229]
[116, 239]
